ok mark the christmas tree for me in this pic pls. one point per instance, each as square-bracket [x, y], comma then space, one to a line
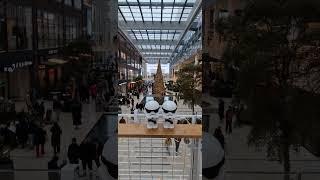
[158, 89]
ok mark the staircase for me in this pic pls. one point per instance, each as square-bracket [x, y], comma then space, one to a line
[149, 159]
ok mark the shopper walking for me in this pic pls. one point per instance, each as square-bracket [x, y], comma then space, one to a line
[57, 108]
[221, 110]
[132, 103]
[229, 116]
[42, 110]
[87, 154]
[74, 152]
[177, 142]
[93, 91]
[218, 134]
[11, 134]
[238, 115]
[55, 137]
[40, 140]
[22, 132]
[54, 165]
[76, 114]
[98, 152]
[168, 143]
[31, 134]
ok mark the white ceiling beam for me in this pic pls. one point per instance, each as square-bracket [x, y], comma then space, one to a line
[149, 25]
[165, 4]
[155, 42]
[193, 15]
[156, 50]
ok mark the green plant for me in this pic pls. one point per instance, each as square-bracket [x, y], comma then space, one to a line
[265, 43]
[189, 82]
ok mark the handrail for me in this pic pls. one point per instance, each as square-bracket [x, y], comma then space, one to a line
[143, 115]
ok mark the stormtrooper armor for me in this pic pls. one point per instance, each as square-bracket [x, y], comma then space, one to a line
[152, 108]
[169, 110]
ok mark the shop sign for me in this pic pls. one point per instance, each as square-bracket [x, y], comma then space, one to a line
[49, 51]
[42, 66]
[17, 65]
[53, 51]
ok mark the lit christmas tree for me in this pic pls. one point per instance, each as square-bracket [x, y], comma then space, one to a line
[158, 89]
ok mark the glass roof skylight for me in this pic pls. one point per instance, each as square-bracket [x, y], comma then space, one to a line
[155, 25]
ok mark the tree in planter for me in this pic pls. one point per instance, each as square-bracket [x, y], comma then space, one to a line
[158, 87]
[80, 67]
[189, 80]
[266, 44]
[138, 80]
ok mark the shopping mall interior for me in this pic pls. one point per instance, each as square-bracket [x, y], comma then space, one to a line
[167, 35]
[159, 90]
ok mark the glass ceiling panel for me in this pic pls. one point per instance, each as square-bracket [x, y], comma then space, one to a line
[130, 11]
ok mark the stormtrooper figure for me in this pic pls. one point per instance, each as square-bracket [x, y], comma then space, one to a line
[152, 108]
[169, 109]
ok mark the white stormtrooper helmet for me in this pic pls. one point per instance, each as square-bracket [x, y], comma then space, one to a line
[169, 109]
[152, 108]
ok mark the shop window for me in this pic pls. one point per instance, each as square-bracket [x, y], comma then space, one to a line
[50, 30]
[68, 2]
[11, 26]
[2, 33]
[19, 27]
[77, 4]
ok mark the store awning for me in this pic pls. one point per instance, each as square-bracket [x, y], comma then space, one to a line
[122, 82]
[10, 61]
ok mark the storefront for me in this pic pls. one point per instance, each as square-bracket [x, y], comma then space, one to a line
[50, 70]
[15, 74]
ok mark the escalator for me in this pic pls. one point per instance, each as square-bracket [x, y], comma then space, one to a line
[105, 132]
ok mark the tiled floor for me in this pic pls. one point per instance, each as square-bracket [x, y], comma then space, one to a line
[25, 159]
[240, 157]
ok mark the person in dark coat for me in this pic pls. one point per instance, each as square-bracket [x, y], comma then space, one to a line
[122, 121]
[221, 110]
[42, 110]
[99, 149]
[55, 137]
[53, 165]
[87, 155]
[177, 142]
[31, 133]
[57, 107]
[74, 152]
[218, 134]
[132, 103]
[22, 132]
[76, 114]
[40, 140]
[229, 116]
